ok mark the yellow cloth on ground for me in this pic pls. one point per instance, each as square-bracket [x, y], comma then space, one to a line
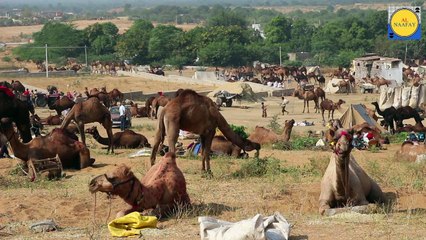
[131, 224]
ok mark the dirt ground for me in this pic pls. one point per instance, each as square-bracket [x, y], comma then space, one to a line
[293, 192]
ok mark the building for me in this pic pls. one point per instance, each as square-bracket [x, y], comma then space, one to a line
[371, 66]
[298, 56]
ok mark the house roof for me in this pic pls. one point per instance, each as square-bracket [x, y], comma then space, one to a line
[377, 58]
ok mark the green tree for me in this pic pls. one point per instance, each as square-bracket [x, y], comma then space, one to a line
[223, 54]
[278, 30]
[301, 35]
[133, 44]
[165, 41]
[226, 18]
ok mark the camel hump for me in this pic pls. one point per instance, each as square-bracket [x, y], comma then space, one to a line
[407, 143]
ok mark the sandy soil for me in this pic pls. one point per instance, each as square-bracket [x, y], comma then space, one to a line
[294, 192]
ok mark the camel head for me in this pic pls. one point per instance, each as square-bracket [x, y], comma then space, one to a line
[289, 123]
[119, 181]
[250, 146]
[342, 142]
[92, 130]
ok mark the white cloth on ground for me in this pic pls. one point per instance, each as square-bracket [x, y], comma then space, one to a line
[274, 227]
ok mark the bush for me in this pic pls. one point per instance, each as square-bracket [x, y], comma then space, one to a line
[240, 130]
[6, 59]
[397, 138]
[298, 143]
[274, 125]
[258, 167]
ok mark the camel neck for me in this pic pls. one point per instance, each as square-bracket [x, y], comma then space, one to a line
[100, 139]
[134, 195]
[20, 150]
[342, 174]
[285, 136]
[376, 105]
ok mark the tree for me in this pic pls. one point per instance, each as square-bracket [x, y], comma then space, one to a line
[301, 35]
[102, 38]
[226, 18]
[164, 42]
[278, 30]
[223, 54]
[133, 44]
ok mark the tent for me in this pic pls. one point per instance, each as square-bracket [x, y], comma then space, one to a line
[356, 114]
[329, 87]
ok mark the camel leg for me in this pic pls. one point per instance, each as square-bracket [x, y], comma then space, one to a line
[329, 115]
[157, 140]
[206, 142]
[332, 114]
[172, 136]
[108, 127]
[322, 111]
[307, 104]
[304, 104]
[80, 126]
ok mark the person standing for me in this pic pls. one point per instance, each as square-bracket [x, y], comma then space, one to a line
[264, 114]
[122, 110]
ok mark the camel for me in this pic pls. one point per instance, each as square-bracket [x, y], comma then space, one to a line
[91, 110]
[380, 81]
[60, 104]
[162, 188]
[418, 127]
[329, 105]
[73, 154]
[17, 110]
[321, 80]
[197, 114]
[51, 120]
[124, 139]
[320, 93]
[406, 112]
[148, 104]
[262, 135]
[343, 84]
[344, 182]
[156, 103]
[102, 96]
[221, 146]
[410, 151]
[114, 95]
[17, 86]
[306, 96]
[138, 111]
[387, 114]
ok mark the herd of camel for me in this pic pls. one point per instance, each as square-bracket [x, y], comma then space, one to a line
[344, 183]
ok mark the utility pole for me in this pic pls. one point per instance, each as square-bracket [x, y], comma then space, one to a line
[47, 64]
[280, 57]
[85, 53]
[406, 49]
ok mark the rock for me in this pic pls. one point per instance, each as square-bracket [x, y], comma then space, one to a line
[44, 226]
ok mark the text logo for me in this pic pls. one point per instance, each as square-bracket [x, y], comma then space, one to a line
[404, 23]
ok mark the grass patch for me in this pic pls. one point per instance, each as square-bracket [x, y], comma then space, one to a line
[397, 137]
[15, 182]
[297, 143]
[258, 167]
[6, 59]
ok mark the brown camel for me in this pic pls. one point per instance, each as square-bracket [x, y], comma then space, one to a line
[115, 96]
[262, 135]
[380, 81]
[124, 139]
[320, 93]
[162, 188]
[91, 110]
[306, 96]
[343, 84]
[418, 127]
[101, 95]
[51, 120]
[73, 154]
[221, 146]
[148, 104]
[410, 151]
[197, 114]
[344, 182]
[18, 111]
[329, 105]
[60, 104]
[138, 111]
[156, 103]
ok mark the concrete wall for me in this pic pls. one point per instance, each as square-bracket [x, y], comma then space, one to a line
[20, 74]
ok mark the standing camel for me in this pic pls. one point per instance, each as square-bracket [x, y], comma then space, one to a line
[198, 114]
[344, 182]
[329, 105]
[156, 103]
[306, 96]
[60, 104]
[320, 93]
[387, 114]
[91, 110]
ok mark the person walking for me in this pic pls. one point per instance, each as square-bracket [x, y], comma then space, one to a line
[122, 110]
[283, 105]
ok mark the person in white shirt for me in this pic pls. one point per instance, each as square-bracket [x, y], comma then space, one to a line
[122, 110]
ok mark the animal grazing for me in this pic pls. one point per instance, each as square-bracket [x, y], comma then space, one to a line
[91, 110]
[344, 182]
[124, 139]
[162, 189]
[197, 114]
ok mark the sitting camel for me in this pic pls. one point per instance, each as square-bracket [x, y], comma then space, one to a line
[410, 151]
[162, 188]
[329, 105]
[306, 96]
[343, 84]
[125, 139]
[418, 127]
[198, 114]
[221, 146]
[73, 154]
[262, 135]
[91, 110]
[50, 120]
[344, 182]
